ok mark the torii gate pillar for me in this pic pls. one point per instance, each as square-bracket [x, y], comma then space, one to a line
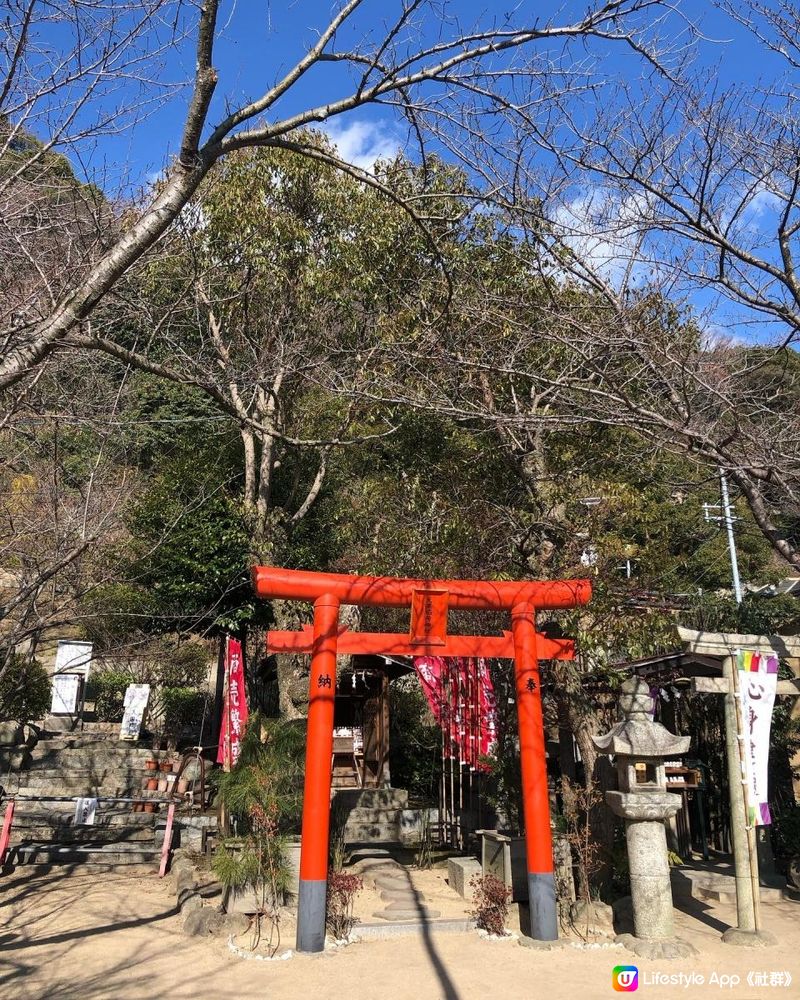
[532, 759]
[429, 601]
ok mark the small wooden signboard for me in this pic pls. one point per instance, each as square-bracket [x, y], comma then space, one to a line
[136, 698]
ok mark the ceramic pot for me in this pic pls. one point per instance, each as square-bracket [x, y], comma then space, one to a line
[152, 784]
[151, 765]
[176, 766]
[165, 766]
[149, 807]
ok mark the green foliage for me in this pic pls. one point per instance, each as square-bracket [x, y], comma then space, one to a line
[189, 569]
[337, 844]
[415, 743]
[503, 790]
[756, 615]
[106, 688]
[268, 775]
[182, 708]
[263, 794]
[787, 832]
[24, 690]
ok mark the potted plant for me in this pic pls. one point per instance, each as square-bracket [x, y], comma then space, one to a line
[263, 793]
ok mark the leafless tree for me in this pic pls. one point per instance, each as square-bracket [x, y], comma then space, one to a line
[655, 228]
[418, 58]
[63, 496]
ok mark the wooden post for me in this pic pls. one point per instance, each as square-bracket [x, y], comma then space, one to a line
[752, 849]
[745, 905]
[743, 834]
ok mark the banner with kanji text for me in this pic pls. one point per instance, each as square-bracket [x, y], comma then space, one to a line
[758, 682]
[234, 706]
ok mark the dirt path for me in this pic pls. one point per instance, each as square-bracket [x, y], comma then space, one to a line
[97, 937]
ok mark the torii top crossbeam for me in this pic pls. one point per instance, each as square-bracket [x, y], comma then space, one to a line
[397, 592]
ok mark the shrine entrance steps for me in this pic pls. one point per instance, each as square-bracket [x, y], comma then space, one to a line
[89, 763]
[374, 815]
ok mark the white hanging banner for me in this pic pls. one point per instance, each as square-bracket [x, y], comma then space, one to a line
[136, 698]
[758, 681]
[85, 810]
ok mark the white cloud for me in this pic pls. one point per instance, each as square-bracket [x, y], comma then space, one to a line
[362, 142]
[606, 232]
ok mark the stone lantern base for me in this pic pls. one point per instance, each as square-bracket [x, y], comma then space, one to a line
[749, 939]
[667, 948]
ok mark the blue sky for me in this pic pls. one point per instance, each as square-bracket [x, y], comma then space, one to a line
[259, 41]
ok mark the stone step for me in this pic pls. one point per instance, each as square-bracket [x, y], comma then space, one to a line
[374, 798]
[60, 812]
[372, 833]
[45, 853]
[393, 883]
[89, 757]
[407, 896]
[412, 913]
[381, 814]
[88, 744]
[68, 785]
[725, 892]
[59, 820]
[66, 724]
[50, 773]
[63, 834]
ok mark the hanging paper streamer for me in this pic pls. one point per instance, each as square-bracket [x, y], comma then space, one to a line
[758, 681]
[461, 697]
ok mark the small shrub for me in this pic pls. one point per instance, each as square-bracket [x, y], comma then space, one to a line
[343, 887]
[24, 690]
[424, 857]
[490, 897]
[183, 708]
[185, 666]
[337, 844]
[106, 689]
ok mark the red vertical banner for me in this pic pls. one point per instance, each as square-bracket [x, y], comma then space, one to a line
[431, 672]
[461, 697]
[234, 706]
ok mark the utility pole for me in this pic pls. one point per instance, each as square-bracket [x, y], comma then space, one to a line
[727, 518]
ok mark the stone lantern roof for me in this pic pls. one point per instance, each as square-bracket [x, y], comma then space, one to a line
[636, 734]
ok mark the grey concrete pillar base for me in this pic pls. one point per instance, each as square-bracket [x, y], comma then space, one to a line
[749, 939]
[543, 908]
[665, 948]
[311, 915]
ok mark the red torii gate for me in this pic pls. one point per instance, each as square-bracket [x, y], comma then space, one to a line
[429, 601]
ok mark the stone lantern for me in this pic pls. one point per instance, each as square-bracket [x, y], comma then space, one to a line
[641, 746]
